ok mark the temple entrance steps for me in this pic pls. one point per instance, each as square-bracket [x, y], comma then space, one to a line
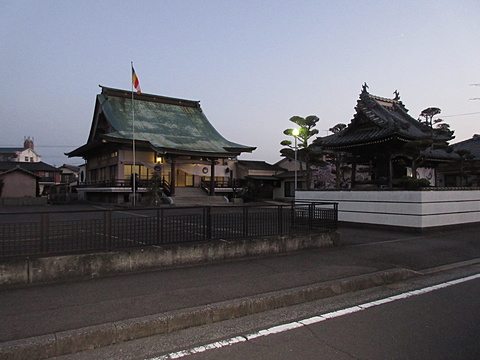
[188, 196]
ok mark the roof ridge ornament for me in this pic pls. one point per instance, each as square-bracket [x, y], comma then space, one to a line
[364, 88]
[397, 95]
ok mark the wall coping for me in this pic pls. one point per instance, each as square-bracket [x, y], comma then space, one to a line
[395, 189]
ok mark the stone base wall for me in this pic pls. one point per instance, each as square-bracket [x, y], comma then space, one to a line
[23, 201]
[20, 271]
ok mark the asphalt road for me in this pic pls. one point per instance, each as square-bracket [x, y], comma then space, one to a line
[431, 318]
[443, 324]
[51, 309]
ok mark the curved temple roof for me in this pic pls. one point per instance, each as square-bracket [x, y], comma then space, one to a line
[377, 119]
[169, 125]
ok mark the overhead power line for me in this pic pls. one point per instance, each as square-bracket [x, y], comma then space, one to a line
[473, 113]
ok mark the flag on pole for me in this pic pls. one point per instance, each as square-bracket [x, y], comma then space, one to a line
[135, 82]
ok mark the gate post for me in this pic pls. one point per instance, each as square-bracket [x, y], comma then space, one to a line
[44, 232]
[159, 226]
[311, 215]
[107, 226]
[245, 221]
[280, 219]
[208, 222]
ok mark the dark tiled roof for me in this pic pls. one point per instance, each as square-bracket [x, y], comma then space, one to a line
[377, 119]
[11, 150]
[18, 168]
[259, 165]
[472, 145]
[29, 166]
[167, 124]
[70, 167]
[440, 154]
[291, 174]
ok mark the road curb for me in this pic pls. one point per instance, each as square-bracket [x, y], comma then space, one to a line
[451, 266]
[87, 338]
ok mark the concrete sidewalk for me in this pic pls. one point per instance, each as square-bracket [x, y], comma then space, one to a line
[48, 320]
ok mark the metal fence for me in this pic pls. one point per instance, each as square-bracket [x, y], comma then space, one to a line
[57, 232]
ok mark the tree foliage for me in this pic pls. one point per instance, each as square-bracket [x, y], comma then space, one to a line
[337, 128]
[440, 134]
[305, 155]
[154, 189]
[439, 127]
[427, 115]
[306, 129]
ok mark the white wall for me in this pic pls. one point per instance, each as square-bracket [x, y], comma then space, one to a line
[414, 209]
[28, 155]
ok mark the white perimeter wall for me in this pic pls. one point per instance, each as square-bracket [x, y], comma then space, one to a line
[415, 209]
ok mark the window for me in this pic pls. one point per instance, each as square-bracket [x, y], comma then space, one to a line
[290, 187]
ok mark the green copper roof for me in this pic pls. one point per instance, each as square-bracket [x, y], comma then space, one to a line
[165, 123]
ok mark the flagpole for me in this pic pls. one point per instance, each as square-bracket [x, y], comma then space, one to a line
[133, 144]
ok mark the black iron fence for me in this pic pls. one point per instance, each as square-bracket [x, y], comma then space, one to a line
[57, 232]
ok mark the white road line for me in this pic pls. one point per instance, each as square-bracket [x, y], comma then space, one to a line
[312, 320]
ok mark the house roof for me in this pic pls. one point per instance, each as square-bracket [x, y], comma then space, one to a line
[11, 150]
[259, 165]
[29, 166]
[167, 125]
[264, 177]
[70, 167]
[472, 145]
[301, 174]
[18, 168]
[377, 119]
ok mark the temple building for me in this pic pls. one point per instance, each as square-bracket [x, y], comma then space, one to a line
[465, 171]
[383, 137]
[133, 137]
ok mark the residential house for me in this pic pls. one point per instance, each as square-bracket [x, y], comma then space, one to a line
[20, 154]
[69, 174]
[47, 174]
[260, 179]
[18, 182]
[28, 161]
[294, 170]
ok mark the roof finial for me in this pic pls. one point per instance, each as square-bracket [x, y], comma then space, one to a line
[397, 95]
[364, 87]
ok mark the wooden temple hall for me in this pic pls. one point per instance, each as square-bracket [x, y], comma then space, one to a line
[173, 138]
[385, 141]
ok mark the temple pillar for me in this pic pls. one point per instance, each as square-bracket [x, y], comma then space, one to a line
[212, 177]
[354, 173]
[173, 170]
[337, 170]
[390, 171]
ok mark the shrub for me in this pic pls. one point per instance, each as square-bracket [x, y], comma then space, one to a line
[411, 183]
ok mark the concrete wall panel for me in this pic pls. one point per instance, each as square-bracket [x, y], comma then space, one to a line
[411, 209]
